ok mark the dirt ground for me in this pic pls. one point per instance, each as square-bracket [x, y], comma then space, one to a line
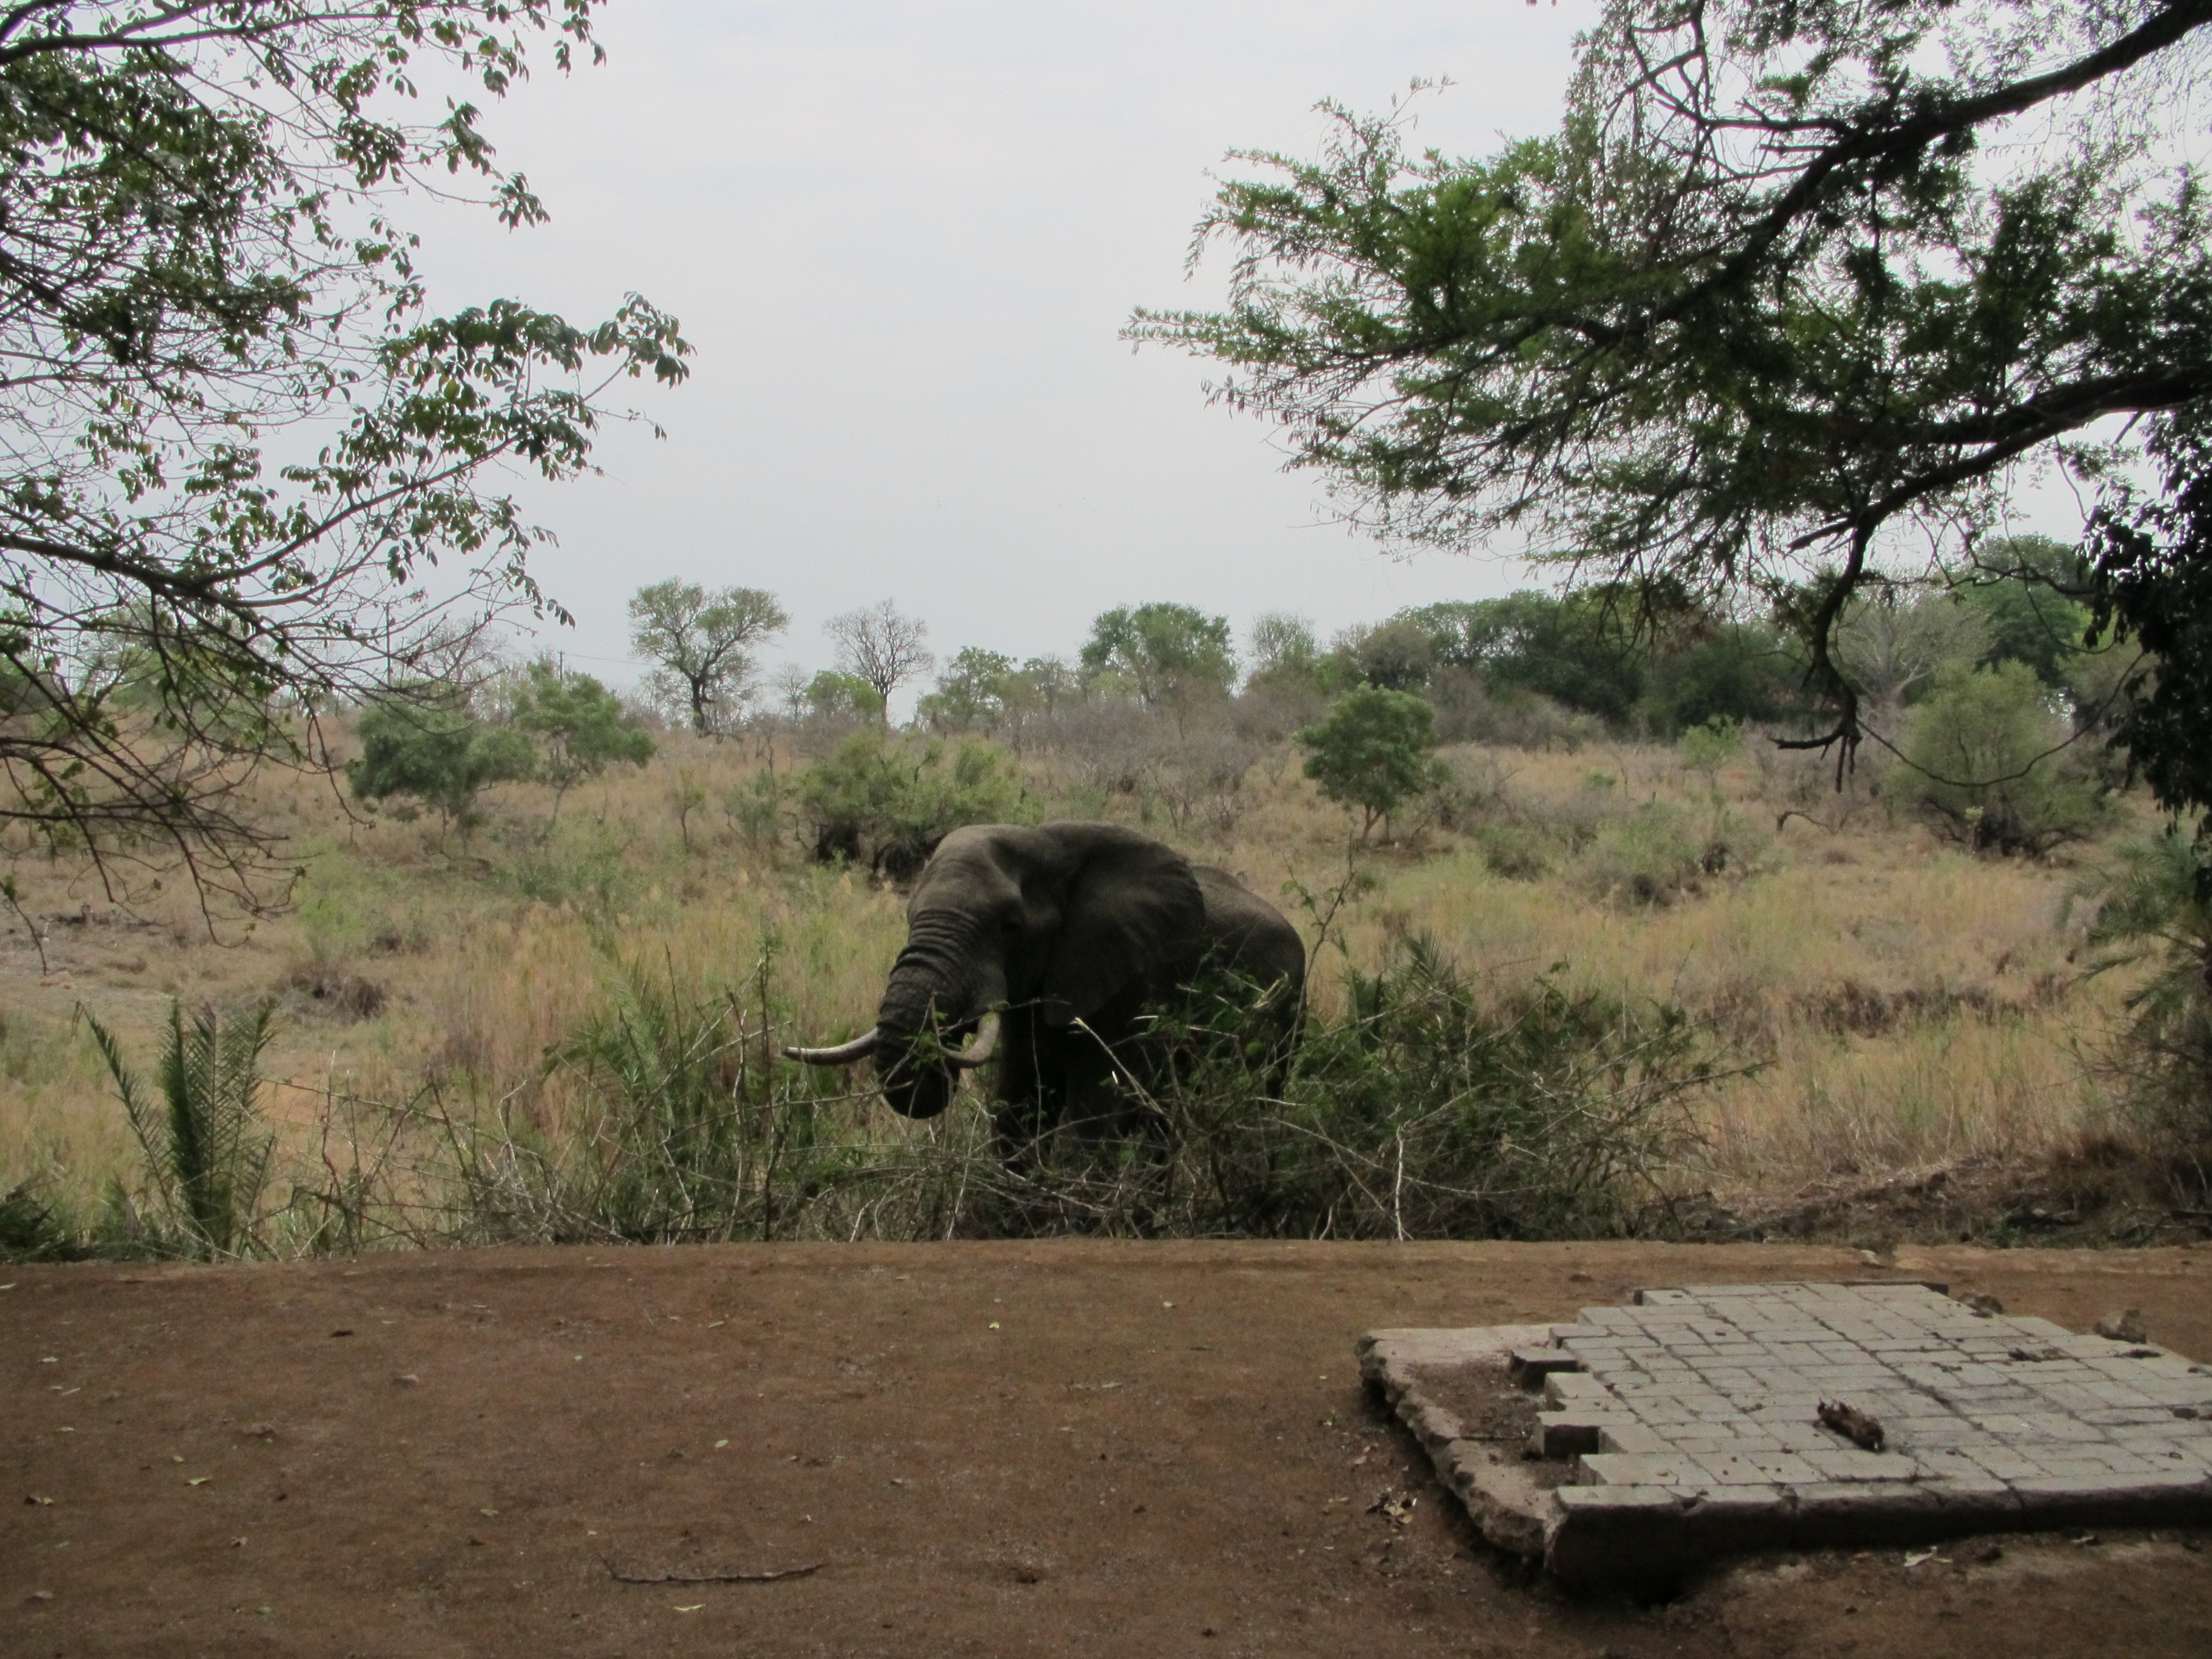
[1149, 1449]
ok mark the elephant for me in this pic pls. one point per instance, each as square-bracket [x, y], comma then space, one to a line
[1052, 950]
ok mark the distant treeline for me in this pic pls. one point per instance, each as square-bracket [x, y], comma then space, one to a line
[1534, 665]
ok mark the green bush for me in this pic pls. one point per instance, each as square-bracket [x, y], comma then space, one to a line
[756, 810]
[427, 745]
[1709, 747]
[1373, 750]
[886, 804]
[1987, 760]
[1426, 1111]
[587, 867]
[2017, 593]
[832, 695]
[1739, 672]
[1651, 857]
[29, 1229]
[581, 727]
[1435, 1106]
[691, 1129]
[692, 1142]
[1519, 852]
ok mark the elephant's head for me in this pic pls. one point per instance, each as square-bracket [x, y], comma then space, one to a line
[1053, 921]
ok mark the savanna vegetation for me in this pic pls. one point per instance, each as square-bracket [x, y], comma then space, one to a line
[1600, 959]
[1816, 857]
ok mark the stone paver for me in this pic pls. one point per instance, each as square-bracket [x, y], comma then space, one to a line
[1689, 1422]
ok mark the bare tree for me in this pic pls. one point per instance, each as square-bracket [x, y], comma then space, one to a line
[704, 644]
[881, 646]
[789, 684]
[1892, 641]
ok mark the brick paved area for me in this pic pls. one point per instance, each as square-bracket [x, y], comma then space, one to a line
[1690, 1424]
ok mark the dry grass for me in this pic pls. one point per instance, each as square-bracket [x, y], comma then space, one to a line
[1904, 1004]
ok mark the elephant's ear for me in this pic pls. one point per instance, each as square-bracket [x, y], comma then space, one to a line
[1132, 906]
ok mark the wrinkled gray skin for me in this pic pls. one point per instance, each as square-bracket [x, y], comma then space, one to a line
[1080, 932]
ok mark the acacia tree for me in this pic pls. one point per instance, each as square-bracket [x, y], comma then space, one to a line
[1397, 655]
[1762, 304]
[233, 435]
[1046, 683]
[702, 644]
[882, 645]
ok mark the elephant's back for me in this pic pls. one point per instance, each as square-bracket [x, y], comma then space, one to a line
[1250, 933]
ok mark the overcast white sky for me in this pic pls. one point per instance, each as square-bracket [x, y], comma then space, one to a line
[903, 237]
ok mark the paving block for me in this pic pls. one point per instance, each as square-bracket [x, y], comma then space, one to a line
[1629, 1469]
[1756, 1469]
[1832, 1462]
[1570, 1434]
[1564, 1390]
[1690, 1432]
[1528, 1365]
[1634, 1439]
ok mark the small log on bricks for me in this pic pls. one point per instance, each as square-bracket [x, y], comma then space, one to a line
[1856, 1426]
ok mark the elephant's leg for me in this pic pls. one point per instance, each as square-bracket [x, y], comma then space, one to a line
[1114, 1074]
[1275, 1032]
[1018, 1133]
[1021, 1117]
[1096, 1102]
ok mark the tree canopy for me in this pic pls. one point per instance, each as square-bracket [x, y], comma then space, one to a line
[702, 644]
[2155, 564]
[1284, 645]
[1790, 282]
[976, 688]
[1574, 649]
[1372, 751]
[1171, 655]
[836, 696]
[234, 438]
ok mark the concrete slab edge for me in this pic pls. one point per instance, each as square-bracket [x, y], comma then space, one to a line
[1494, 1487]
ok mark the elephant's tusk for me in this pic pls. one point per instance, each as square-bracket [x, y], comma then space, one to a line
[843, 1055]
[981, 1049]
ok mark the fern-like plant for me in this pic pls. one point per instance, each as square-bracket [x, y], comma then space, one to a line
[207, 1146]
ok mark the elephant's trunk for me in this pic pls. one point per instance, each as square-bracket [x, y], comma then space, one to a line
[941, 983]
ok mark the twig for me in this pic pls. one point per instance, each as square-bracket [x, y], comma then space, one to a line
[620, 1576]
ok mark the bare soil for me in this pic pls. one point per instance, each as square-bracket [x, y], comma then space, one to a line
[1033, 1448]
